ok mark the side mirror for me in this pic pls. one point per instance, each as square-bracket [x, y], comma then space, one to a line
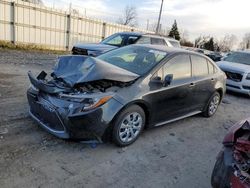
[167, 80]
[156, 81]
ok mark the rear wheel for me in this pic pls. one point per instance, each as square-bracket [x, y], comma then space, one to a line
[128, 125]
[212, 105]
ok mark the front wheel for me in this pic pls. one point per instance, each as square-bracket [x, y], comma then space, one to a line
[212, 105]
[128, 125]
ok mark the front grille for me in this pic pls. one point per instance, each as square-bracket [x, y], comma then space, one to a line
[234, 76]
[47, 115]
[246, 87]
[229, 85]
[79, 51]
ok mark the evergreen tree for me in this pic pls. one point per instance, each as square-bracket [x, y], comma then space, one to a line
[174, 33]
[209, 45]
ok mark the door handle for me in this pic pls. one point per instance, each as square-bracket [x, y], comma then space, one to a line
[192, 84]
[212, 79]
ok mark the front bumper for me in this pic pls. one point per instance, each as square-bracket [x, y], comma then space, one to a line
[240, 87]
[64, 119]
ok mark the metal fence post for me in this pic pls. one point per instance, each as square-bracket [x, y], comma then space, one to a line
[68, 31]
[13, 5]
[103, 30]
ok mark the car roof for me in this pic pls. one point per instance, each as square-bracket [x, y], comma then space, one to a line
[130, 33]
[160, 36]
[165, 48]
[146, 34]
[171, 50]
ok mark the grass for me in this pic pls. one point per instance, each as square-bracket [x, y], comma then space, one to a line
[29, 47]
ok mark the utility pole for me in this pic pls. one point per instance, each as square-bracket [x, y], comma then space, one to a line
[159, 19]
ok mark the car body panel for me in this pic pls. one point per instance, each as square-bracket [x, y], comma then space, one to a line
[232, 167]
[235, 70]
[160, 103]
[96, 49]
[79, 69]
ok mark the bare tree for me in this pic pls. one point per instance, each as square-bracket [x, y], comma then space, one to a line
[201, 40]
[129, 17]
[227, 43]
[245, 44]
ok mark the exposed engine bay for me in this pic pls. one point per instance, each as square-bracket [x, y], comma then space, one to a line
[241, 156]
[86, 87]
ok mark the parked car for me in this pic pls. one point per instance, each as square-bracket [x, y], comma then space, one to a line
[215, 56]
[237, 68]
[118, 40]
[123, 91]
[232, 168]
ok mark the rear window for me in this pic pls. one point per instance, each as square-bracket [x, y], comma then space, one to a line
[158, 41]
[175, 43]
[199, 66]
[144, 40]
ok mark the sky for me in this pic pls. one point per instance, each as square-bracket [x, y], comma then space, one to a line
[194, 17]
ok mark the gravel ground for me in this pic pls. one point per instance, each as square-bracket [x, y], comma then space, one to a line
[180, 154]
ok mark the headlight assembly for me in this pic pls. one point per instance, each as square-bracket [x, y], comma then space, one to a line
[89, 101]
[248, 76]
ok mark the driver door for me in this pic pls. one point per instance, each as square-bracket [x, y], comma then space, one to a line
[174, 100]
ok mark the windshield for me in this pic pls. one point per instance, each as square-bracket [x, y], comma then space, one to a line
[114, 40]
[238, 57]
[136, 59]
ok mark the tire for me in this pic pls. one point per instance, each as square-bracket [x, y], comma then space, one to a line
[221, 175]
[128, 125]
[212, 105]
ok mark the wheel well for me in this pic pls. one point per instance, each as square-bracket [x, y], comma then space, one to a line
[220, 91]
[146, 111]
[107, 135]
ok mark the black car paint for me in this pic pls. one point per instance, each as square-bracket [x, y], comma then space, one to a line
[79, 69]
[159, 103]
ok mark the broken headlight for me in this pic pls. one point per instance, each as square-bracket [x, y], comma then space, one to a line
[89, 102]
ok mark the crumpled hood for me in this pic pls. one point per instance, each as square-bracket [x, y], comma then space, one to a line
[76, 70]
[230, 66]
[96, 47]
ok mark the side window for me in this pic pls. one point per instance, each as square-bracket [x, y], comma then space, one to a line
[158, 41]
[131, 40]
[159, 73]
[199, 66]
[210, 68]
[144, 40]
[116, 40]
[180, 67]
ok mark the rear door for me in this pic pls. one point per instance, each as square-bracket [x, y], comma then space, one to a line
[203, 73]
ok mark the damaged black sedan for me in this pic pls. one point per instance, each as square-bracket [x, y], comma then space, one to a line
[119, 93]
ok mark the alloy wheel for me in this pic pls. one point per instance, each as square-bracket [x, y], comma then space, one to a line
[130, 127]
[214, 104]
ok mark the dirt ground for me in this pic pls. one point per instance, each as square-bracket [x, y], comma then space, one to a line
[177, 155]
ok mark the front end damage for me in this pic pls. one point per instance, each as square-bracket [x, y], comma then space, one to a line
[232, 168]
[69, 107]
